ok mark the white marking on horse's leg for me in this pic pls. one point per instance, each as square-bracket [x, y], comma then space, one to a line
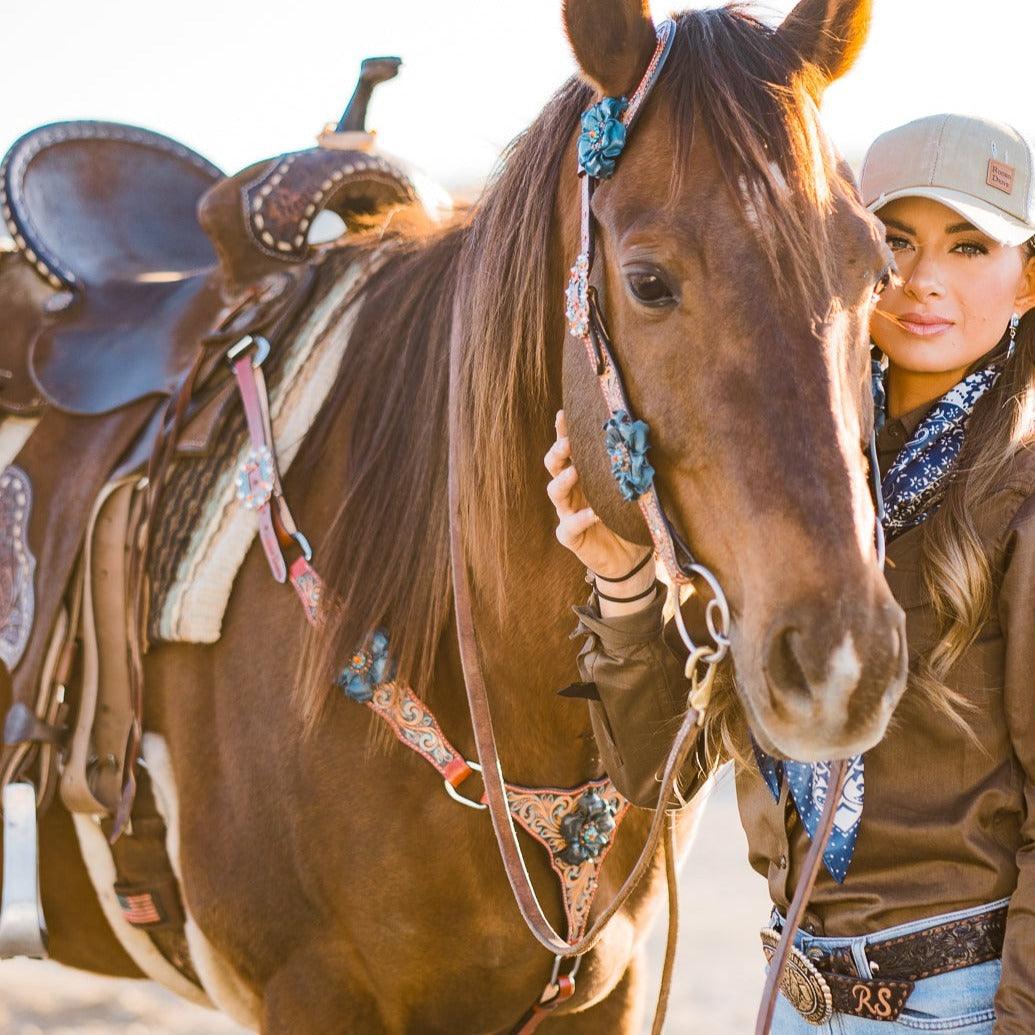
[96, 852]
[224, 986]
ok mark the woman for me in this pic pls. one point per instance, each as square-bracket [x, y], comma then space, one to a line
[924, 918]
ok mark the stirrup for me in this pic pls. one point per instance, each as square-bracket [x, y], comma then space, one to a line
[23, 929]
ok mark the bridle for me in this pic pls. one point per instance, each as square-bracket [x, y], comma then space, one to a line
[586, 324]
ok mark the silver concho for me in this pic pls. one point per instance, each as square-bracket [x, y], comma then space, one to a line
[17, 566]
[576, 297]
[804, 986]
[255, 479]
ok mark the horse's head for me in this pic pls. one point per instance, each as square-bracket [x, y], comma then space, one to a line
[737, 267]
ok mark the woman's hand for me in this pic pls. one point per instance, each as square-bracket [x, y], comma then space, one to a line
[578, 527]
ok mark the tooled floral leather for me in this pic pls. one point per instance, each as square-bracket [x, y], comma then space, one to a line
[936, 950]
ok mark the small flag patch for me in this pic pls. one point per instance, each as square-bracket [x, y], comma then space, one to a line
[140, 909]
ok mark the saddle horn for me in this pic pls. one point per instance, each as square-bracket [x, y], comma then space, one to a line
[372, 71]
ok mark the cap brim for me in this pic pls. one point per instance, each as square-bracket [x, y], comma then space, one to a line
[1000, 226]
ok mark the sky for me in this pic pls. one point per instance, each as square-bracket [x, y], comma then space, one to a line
[243, 81]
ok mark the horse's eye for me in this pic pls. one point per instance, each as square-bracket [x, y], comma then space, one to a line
[882, 284]
[649, 288]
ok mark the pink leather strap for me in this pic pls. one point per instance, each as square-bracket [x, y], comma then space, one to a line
[248, 386]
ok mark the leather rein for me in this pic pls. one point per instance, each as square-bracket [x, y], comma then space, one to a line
[586, 323]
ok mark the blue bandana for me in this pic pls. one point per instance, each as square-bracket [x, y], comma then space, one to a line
[808, 783]
[913, 490]
[915, 483]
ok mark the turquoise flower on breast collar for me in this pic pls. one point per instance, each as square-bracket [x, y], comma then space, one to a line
[587, 830]
[602, 137]
[367, 669]
[627, 443]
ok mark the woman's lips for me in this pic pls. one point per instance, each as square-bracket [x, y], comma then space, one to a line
[924, 325]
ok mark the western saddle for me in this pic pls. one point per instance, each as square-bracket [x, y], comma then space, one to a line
[136, 264]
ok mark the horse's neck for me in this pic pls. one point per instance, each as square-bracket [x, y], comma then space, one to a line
[524, 631]
[524, 625]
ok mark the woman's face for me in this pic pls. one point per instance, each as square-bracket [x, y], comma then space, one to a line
[956, 290]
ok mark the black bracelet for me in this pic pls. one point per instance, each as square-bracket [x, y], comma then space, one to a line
[629, 600]
[629, 574]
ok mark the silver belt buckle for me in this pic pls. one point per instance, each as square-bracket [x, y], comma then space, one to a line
[803, 985]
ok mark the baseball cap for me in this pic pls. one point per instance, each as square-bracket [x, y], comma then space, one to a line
[983, 170]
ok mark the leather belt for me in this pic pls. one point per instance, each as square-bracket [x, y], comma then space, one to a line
[821, 982]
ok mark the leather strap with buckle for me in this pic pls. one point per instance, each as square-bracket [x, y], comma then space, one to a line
[821, 983]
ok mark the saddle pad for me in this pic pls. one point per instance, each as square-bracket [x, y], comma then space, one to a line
[192, 586]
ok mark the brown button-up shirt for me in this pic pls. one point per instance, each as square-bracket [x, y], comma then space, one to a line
[947, 823]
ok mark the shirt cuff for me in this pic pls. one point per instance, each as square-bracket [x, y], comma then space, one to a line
[622, 632]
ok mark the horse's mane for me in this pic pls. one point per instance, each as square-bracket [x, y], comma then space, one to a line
[386, 556]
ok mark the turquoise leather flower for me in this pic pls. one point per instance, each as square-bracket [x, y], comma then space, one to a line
[367, 669]
[603, 137]
[586, 830]
[627, 444]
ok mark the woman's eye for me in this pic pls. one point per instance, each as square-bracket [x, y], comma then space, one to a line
[970, 249]
[897, 244]
[649, 288]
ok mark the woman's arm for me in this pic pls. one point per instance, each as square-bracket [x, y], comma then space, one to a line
[641, 697]
[1015, 1001]
[639, 691]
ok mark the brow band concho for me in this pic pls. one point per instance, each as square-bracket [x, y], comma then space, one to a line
[605, 128]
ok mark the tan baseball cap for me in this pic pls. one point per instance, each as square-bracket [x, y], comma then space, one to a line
[981, 169]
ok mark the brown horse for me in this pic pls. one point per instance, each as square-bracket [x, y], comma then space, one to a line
[335, 888]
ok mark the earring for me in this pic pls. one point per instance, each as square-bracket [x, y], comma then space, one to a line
[1015, 321]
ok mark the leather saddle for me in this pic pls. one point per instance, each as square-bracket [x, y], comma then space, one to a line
[140, 248]
[136, 263]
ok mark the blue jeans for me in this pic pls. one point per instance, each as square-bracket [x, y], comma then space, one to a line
[959, 1002]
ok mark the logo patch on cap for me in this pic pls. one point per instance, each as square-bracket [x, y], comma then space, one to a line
[1000, 176]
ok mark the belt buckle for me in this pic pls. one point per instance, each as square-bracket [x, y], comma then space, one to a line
[804, 986]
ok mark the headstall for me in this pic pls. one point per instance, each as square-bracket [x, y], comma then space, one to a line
[605, 129]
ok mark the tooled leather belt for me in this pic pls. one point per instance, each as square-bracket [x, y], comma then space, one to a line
[821, 982]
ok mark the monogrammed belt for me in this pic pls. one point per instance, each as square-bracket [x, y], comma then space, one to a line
[823, 981]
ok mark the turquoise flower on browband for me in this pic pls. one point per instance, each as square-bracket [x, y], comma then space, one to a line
[367, 669]
[627, 444]
[603, 137]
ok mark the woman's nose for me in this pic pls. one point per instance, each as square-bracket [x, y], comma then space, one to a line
[924, 280]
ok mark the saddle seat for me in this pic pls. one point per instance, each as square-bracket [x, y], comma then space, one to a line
[146, 249]
[105, 213]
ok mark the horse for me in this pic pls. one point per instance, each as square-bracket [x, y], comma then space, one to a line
[329, 882]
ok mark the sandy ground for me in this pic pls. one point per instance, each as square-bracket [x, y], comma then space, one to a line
[718, 971]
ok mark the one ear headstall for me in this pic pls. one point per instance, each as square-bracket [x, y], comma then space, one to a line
[605, 130]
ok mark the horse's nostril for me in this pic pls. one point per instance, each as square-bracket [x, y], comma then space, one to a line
[787, 678]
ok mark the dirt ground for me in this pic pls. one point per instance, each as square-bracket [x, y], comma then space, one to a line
[718, 971]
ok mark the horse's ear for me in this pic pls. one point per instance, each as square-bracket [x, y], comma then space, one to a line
[828, 34]
[612, 40]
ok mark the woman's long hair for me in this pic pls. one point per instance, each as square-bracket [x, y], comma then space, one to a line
[957, 572]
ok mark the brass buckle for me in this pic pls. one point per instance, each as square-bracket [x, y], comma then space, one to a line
[804, 986]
